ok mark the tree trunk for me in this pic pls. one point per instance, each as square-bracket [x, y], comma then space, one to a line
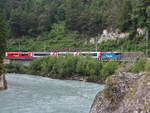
[3, 83]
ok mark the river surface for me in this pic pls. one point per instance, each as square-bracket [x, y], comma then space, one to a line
[36, 94]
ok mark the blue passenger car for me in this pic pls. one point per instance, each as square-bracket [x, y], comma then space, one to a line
[111, 56]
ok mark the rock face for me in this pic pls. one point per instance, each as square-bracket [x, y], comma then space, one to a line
[109, 35]
[106, 35]
[114, 35]
[124, 93]
[3, 83]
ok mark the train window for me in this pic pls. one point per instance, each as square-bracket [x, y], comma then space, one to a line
[24, 54]
[89, 54]
[9, 54]
[118, 53]
[14, 54]
[41, 55]
[66, 54]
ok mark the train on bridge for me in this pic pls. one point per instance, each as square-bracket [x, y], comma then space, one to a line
[100, 55]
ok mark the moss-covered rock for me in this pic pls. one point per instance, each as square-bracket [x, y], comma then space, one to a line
[124, 93]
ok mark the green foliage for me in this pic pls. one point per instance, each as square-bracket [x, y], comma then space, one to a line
[36, 66]
[147, 66]
[33, 17]
[2, 41]
[72, 40]
[125, 16]
[88, 67]
[124, 45]
[48, 65]
[58, 31]
[66, 66]
[59, 38]
[43, 25]
[140, 14]
[139, 66]
[16, 68]
[2, 35]
[109, 69]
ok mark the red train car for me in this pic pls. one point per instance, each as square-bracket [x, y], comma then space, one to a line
[18, 55]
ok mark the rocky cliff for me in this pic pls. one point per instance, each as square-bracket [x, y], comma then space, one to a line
[114, 35]
[124, 93]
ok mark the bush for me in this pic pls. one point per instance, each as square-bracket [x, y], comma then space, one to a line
[123, 67]
[109, 69]
[139, 66]
[36, 66]
[87, 67]
[48, 65]
[147, 66]
[81, 66]
[67, 66]
[16, 68]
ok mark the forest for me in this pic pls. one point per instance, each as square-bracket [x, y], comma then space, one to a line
[43, 25]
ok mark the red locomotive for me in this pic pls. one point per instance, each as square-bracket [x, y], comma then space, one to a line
[18, 55]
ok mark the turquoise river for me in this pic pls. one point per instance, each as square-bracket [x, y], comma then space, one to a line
[36, 94]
